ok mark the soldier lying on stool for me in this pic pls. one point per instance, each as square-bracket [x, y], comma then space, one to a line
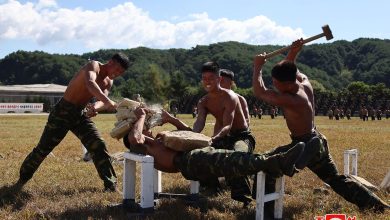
[207, 162]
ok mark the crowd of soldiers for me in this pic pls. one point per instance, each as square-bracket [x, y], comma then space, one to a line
[364, 113]
[258, 112]
[259, 109]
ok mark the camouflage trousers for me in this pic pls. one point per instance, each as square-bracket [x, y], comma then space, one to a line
[68, 117]
[324, 167]
[240, 141]
[205, 163]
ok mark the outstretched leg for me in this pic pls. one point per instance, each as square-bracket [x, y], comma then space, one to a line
[52, 135]
[90, 137]
[345, 186]
[207, 162]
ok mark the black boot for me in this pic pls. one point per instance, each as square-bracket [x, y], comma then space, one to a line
[290, 158]
[284, 163]
[380, 206]
[111, 188]
[312, 147]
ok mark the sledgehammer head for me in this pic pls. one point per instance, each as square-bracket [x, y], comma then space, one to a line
[327, 32]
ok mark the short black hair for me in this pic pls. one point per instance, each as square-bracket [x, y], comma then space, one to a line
[226, 73]
[210, 66]
[122, 59]
[285, 71]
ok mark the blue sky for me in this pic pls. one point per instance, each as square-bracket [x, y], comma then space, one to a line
[79, 26]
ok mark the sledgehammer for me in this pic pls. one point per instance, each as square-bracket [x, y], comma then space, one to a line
[325, 32]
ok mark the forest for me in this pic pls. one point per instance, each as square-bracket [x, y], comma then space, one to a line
[358, 68]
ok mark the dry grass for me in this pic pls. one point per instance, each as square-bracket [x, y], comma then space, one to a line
[66, 188]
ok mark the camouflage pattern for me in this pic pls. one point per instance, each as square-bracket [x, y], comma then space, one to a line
[68, 117]
[240, 141]
[324, 167]
[205, 163]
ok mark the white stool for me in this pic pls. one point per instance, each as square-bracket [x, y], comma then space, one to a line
[347, 155]
[150, 180]
[261, 197]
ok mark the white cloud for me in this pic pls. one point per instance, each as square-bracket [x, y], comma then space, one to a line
[126, 26]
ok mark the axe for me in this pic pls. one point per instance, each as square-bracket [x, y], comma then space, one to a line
[326, 32]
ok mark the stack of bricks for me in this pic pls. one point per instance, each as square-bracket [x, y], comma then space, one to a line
[125, 118]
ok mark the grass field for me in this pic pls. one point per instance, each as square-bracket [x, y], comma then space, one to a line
[64, 187]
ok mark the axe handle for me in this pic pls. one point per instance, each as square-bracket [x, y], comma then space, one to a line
[281, 50]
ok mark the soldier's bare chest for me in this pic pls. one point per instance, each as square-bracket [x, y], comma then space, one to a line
[215, 107]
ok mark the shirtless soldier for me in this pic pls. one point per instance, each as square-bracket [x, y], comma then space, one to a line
[296, 98]
[227, 82]
[92, 80]
[230, 130]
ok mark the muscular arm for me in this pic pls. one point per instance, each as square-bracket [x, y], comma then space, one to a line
[135, 136]
[296, 47]
[262, 92]
[202, 115]
[99, 105]
[94, 89]
[245, 109]
[180, 125]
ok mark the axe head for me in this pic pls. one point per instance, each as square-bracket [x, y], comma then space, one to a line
[327, 32]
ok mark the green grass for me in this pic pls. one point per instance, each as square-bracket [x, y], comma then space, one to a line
[66, 188]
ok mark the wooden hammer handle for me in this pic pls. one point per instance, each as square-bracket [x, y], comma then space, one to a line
[276, 52]
[281, 50]
[307, 40]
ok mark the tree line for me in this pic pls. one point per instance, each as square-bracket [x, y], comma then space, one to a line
[173, 74]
